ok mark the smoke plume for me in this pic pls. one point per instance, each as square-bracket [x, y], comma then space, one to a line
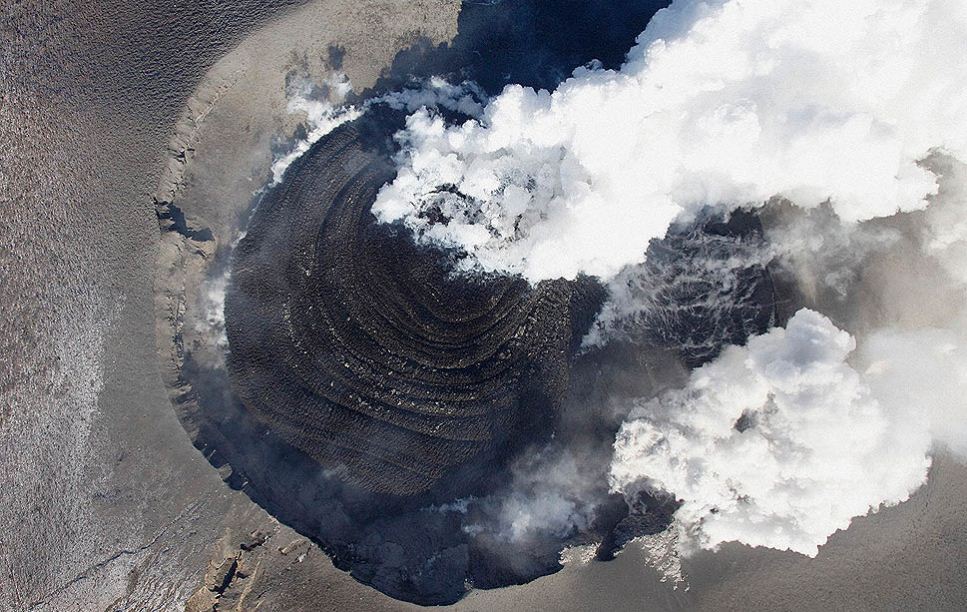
[721, 102]
[854, 112]
[778, 443]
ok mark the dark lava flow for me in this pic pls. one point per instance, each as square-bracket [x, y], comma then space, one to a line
[383, 406]
[375, 386]
[363, 351]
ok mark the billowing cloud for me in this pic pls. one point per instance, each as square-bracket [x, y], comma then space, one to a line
[920, 367]
[842, 431]
[778, 443]
[322, 115]
[722, 102]
[923, 373]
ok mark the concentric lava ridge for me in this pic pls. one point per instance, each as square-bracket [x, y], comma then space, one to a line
[364, 351]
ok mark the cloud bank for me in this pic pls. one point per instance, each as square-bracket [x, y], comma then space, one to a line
[721, 102]
[778, 443]
[783, 441]
[325, 114]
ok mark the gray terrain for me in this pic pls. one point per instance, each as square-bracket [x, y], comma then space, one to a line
[108, 112]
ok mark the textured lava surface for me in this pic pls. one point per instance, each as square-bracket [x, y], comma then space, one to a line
[365, 351]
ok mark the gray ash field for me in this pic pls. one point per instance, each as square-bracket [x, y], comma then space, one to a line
[381, 432]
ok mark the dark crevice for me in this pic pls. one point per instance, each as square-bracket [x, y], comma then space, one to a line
[171, 218]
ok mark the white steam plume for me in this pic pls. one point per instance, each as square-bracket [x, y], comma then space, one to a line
[549, 495]
[923, 373]
[723, 102]
[778, 443]
[836, 438]
[322, 116]
[727, 103]
[922, 368]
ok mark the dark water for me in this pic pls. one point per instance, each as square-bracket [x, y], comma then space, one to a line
[529, 42]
